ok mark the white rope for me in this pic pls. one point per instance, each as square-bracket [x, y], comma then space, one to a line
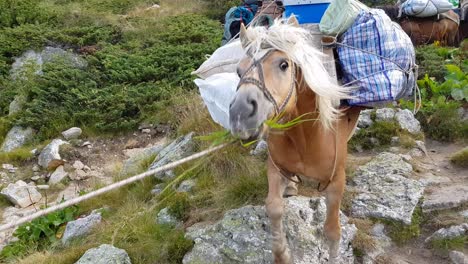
[109, 188]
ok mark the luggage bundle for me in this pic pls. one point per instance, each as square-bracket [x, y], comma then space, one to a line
[375, 55]
[426, 8]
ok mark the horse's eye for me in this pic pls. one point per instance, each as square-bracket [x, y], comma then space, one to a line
[284, 65]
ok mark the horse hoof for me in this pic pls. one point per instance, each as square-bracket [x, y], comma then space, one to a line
[290, 191]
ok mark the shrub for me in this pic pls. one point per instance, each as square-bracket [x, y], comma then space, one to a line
[401, 233]
[19, 12]
[383, 131]
[460, 158]
[441, 101]
[441, 120]
[179, 206]
[430, 57]
[39, 233]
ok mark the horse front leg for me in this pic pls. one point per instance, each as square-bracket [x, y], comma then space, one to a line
[275, 209]
[332, 228]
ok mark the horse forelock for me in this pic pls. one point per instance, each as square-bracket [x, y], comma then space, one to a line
[295, 42]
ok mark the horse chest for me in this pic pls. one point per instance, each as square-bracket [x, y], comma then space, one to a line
[304, 160]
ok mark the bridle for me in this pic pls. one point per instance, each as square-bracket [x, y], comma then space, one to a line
[260, 82]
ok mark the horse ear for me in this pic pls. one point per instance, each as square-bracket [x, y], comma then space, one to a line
[244, 36]
[292, 21]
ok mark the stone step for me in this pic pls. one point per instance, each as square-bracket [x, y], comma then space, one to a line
[445, 197]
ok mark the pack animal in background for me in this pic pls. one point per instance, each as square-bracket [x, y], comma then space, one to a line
[426, 8]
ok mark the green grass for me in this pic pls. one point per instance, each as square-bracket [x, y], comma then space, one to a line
[460, 158]
[16, 156]
[445, 245]
[401, 233]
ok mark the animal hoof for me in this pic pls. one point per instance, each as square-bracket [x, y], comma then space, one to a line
[290, 191]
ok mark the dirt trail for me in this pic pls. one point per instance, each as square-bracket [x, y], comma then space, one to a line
[446, 185]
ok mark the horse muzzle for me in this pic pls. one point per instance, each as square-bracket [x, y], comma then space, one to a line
[248, 111]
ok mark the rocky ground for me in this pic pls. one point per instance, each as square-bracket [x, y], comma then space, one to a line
[388, 186]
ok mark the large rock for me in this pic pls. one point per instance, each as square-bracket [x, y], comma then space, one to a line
[179, 148]
[407, 121]
[382, 243]
[22, 194]
[50, 152]
[384, 189]
[244, 235]
[72, 133]
[458, 257]
[104, 254]
[165, 218]
[58, 175]
[365, 119]
[186, 186]
[384, 114]
[32, 60]
[16, 105]
[445, 197]
[81, 226]
[16, 138]
[133, 164]
[449, 232]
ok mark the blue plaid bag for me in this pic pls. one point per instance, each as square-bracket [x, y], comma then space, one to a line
[377, 57]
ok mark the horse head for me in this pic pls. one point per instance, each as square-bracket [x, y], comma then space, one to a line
[278, 64]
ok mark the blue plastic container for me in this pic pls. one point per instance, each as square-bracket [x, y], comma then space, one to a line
[306, 11]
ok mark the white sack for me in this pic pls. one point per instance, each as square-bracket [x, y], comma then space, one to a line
[426, 8]
[217, 92]
[224, 59]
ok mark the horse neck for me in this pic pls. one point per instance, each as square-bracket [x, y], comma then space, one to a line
[308, 131]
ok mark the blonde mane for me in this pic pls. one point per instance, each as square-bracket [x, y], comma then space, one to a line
[295, 42]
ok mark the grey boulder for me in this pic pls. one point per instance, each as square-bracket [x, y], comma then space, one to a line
[58, 175]
[81, 226]
[179, 148]
[384, 191]
[384, 114]
[458, 257]
[244, 235]
[16, 105]
[186, 186]
[50, 152]
[407, 121]
[35, 61]
[16, 138]
[21, 194]
[104, 254]
[365, 119]
[133, 164]
[72, 133]
[449, 232]
[165, 218]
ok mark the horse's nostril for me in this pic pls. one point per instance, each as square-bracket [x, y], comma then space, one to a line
[254, 107]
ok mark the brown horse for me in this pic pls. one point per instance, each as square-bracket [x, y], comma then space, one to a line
[442, 28]
[282, 74]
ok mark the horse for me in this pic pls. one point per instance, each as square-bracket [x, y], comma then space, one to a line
[463, 12]
[282, 76]
[425, 30]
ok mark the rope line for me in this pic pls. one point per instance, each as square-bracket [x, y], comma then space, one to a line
[108, 188]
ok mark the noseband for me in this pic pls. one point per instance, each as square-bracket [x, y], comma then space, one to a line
[260, 82]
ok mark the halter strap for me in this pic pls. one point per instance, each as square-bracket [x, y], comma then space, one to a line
[260, 82]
